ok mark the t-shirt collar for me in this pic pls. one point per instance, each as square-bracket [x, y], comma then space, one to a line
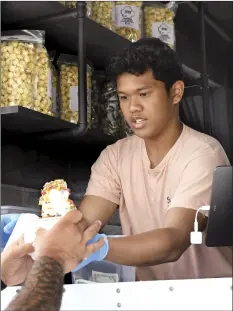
[164, 161]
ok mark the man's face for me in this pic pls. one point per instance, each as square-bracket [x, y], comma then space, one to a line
[146, 104]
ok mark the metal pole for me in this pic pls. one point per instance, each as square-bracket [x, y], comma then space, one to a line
[230, 101]
[204, 75]
[82, 79]
[82, 74]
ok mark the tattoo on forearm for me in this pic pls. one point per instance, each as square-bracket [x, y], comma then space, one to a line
[43, 288]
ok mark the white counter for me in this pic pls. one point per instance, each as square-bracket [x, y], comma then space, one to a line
[201, 294]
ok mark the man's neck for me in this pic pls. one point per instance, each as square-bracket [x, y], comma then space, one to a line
[158, 147]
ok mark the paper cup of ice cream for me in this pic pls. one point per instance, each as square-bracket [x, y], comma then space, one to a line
[47, 223]
[54, 202]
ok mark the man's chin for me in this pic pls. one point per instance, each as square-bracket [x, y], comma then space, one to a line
[142, 133]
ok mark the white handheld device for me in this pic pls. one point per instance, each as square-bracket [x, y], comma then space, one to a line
[27, 226]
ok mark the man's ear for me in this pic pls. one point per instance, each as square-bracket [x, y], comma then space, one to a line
[177, 92]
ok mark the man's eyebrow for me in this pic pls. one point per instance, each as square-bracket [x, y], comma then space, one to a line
[145, 87]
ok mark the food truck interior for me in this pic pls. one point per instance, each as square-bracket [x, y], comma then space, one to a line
[38, 147]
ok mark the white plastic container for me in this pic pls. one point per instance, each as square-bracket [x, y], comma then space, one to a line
[47, 223]
[27, 225]
[105, 272]
[11, 209]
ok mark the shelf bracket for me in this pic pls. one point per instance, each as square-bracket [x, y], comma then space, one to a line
[204, 74]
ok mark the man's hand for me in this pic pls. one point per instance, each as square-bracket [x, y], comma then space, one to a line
[67, 241]
[16, 262]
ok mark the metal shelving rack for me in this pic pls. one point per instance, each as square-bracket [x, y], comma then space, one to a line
[72, 33]
[67, 27]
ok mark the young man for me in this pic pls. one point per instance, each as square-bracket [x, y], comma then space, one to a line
[160, 176]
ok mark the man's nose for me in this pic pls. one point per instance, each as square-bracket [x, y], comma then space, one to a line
[135, 105]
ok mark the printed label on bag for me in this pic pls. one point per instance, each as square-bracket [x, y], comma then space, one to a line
[74, 98]
[164, 32]
[101, 277]
[127, 16]
[50, 84]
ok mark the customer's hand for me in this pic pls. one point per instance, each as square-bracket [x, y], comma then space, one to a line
[66, 241]
[8, 223]
[98, 255]
[16, 262]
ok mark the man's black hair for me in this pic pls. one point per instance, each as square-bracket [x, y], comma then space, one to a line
[147, 54]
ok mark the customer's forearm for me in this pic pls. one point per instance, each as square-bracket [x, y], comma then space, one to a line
[43, 288]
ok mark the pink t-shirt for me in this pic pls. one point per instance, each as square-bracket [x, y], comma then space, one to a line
[122, 174]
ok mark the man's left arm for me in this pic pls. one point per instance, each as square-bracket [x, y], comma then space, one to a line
[157, 246]
[167, 244]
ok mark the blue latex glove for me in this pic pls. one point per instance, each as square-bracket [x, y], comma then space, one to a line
[8, 223]
[99, 255]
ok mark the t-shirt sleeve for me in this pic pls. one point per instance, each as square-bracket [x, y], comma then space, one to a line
[196, 181]
[104, 181]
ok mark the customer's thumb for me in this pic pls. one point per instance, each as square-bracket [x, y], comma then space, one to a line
[40, 232]
[27, 249]
[24, 248]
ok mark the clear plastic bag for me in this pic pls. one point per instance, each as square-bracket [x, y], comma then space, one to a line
[54, 82]
[69, 89]
[73, 5]
[159, 22]
[103, 12]
[25, 71]
[110, 110]
[128, 19]
[95, 103]
[111, 118]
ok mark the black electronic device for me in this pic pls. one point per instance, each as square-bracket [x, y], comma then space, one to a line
[220, 222]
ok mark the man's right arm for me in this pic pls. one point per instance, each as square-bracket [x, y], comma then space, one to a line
[94, 207]
[103, 192]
